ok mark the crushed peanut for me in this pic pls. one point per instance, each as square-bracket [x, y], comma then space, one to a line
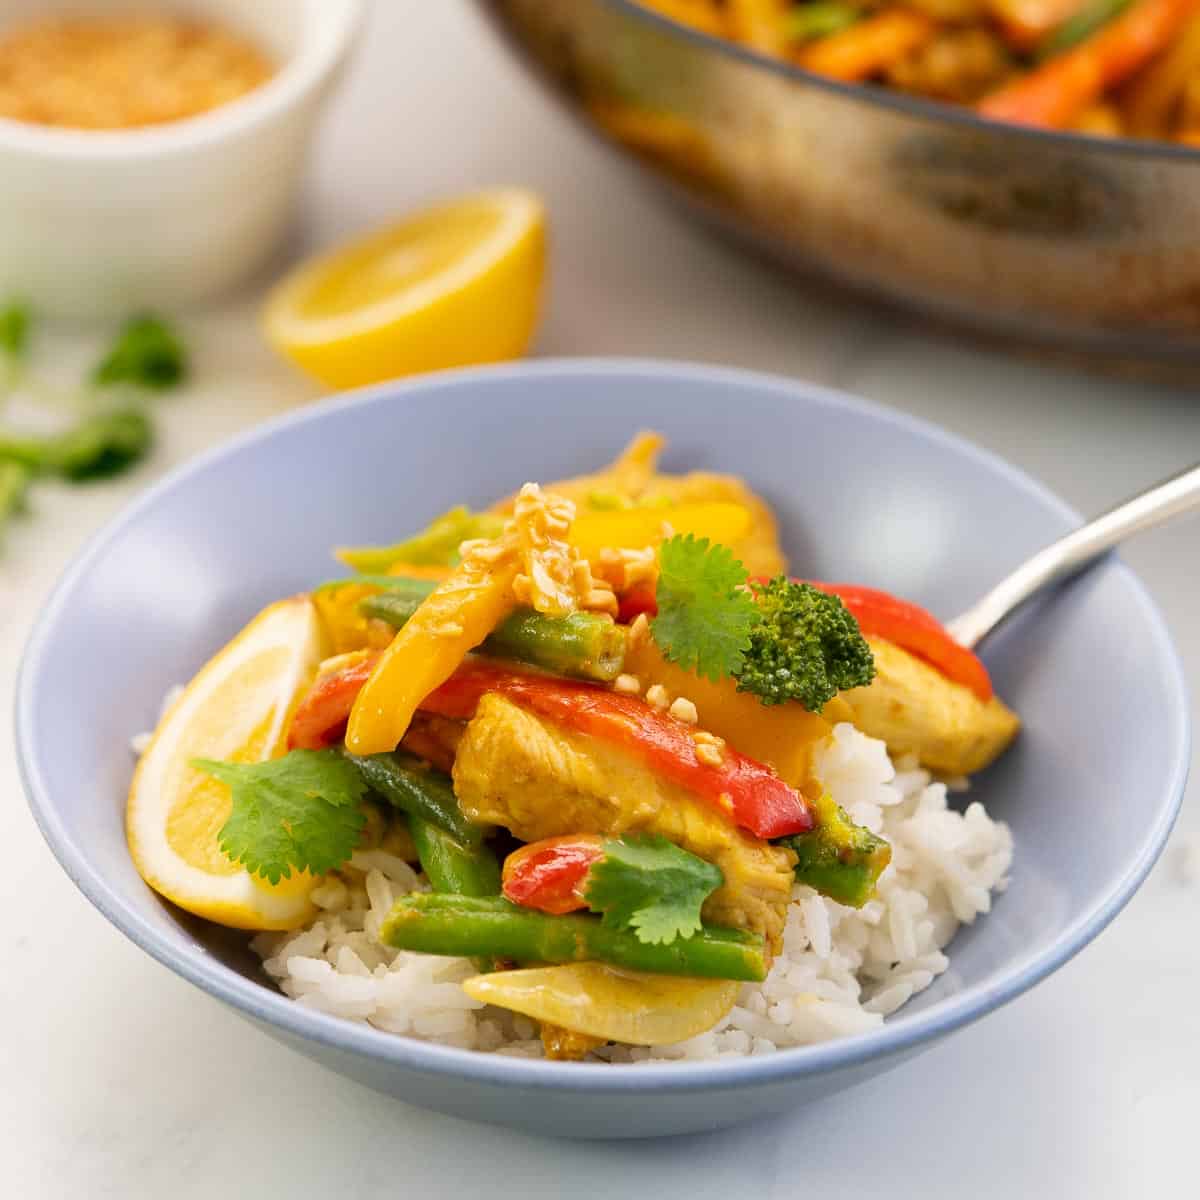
[627, 685]
[639, 630]
[682, 709]
[657, 696]
[709, 748]
[123, 71]
[551, 578]
[554, 579]
[624, 569]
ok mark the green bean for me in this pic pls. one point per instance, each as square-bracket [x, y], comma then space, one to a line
[585, 645]
[464, 926]
[451, 866]
[807, 22]
[582, 644]
[418, 791]
[839, 859]
[1080, 27]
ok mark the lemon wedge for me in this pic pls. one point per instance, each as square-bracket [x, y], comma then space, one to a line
[454, 285]
[236, 709]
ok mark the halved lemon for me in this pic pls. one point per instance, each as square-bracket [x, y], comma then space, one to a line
[454, 285]
[236, 709]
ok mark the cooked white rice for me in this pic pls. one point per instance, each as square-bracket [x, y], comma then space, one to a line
[842, 970]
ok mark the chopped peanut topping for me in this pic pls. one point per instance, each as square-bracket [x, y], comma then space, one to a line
[554, 579]
[624, 569]
[657, 696]
[627, 685]
[684, 710]
[709, 748]
[639, 630]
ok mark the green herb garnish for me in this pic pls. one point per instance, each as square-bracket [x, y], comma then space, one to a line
[147, 353]
[300, 812]
[705, 613]
[652, 887]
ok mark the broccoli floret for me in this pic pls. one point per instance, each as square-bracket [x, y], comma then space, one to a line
[805, 647]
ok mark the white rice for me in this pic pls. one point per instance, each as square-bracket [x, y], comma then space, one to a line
[842, 970]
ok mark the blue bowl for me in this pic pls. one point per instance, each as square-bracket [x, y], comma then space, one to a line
[1090, 790]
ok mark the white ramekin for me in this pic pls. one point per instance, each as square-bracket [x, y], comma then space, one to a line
[99, 223]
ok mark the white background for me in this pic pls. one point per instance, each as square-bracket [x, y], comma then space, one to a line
[118, 1079]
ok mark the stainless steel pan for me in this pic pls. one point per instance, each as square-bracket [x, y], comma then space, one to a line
[1049, 237]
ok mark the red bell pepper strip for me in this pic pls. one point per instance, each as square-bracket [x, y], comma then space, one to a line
[913, 629]
[551, 875]
[1054, 94]
[641, 598]
[320, 717]
[751, 794]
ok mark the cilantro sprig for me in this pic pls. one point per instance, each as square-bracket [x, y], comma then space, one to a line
[782, 640]
[300, 812]
[650, 886]
[705, 613]
[147, 353]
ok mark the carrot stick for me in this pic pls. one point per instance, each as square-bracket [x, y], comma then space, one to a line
[1151, 98]
[869, 47]
[1055, 94]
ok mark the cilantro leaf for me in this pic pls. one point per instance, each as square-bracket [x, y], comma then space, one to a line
[651, 886]
[296, 813]
[147, 353]
[14, 330]
[704, 614]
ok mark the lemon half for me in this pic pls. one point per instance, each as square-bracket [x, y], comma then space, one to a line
[455, 285]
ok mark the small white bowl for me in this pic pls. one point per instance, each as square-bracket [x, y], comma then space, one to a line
[97, 222]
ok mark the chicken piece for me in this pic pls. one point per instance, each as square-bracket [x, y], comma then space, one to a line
[916, 709]
[539, 780]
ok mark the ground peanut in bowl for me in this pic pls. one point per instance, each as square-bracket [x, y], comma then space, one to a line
[123, 72]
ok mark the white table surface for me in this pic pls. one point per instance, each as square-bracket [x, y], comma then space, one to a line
[119, 1079]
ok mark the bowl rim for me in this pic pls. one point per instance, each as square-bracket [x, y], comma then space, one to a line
[271, 1007]
[916, 106]
[302, 73]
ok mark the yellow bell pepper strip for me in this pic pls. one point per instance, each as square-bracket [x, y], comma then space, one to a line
[458, 615]
[782, 736]
[635, 528]
[342, 621]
